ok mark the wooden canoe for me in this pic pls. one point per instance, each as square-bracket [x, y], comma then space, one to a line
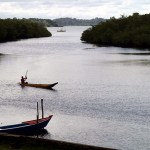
[46, 86]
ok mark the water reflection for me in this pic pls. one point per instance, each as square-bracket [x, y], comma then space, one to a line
[89, 48]
[141, 54]
[1, 56]
[141, 62]
[40, 133]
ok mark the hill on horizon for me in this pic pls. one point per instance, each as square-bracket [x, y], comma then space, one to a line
[77, 22]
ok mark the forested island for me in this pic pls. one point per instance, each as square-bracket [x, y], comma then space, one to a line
[15, 29]
[77, 22]
[131, 31]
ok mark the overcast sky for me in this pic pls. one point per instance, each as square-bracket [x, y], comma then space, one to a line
[81, 9]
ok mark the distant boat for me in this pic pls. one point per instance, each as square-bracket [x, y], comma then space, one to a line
[45, 86]
[61, 30]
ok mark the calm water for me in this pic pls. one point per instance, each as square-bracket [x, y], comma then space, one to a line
[103, 95]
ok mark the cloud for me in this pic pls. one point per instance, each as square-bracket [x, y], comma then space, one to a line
[71, 8]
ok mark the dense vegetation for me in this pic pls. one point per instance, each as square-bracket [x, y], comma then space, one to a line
[44, 22]
[14, 29]
[131, 31]
[78, 22]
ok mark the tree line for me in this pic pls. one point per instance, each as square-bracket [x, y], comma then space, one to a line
[44, 22]
[77, 22]
[131, 31]
[15, 29]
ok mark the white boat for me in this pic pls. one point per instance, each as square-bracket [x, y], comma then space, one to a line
[61, 30]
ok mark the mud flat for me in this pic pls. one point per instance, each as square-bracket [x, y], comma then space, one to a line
[17, 142]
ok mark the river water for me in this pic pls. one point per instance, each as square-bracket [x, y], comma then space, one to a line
[102, 97]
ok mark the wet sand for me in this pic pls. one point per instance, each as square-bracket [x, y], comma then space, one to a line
[13, 142]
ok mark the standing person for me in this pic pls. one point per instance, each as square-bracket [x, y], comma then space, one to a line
[23, 79]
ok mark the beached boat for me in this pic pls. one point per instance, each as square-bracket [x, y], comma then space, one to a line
[28, 127]
[32, 126]
[46, 86]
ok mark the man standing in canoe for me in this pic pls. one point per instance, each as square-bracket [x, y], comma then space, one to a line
[23, 79]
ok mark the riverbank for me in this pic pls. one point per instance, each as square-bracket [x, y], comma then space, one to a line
[17, 29]
[127, 32]
[13, 142]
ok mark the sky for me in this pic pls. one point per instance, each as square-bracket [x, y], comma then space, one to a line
[80, 9]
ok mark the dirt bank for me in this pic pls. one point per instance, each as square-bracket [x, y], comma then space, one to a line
[15, 142]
